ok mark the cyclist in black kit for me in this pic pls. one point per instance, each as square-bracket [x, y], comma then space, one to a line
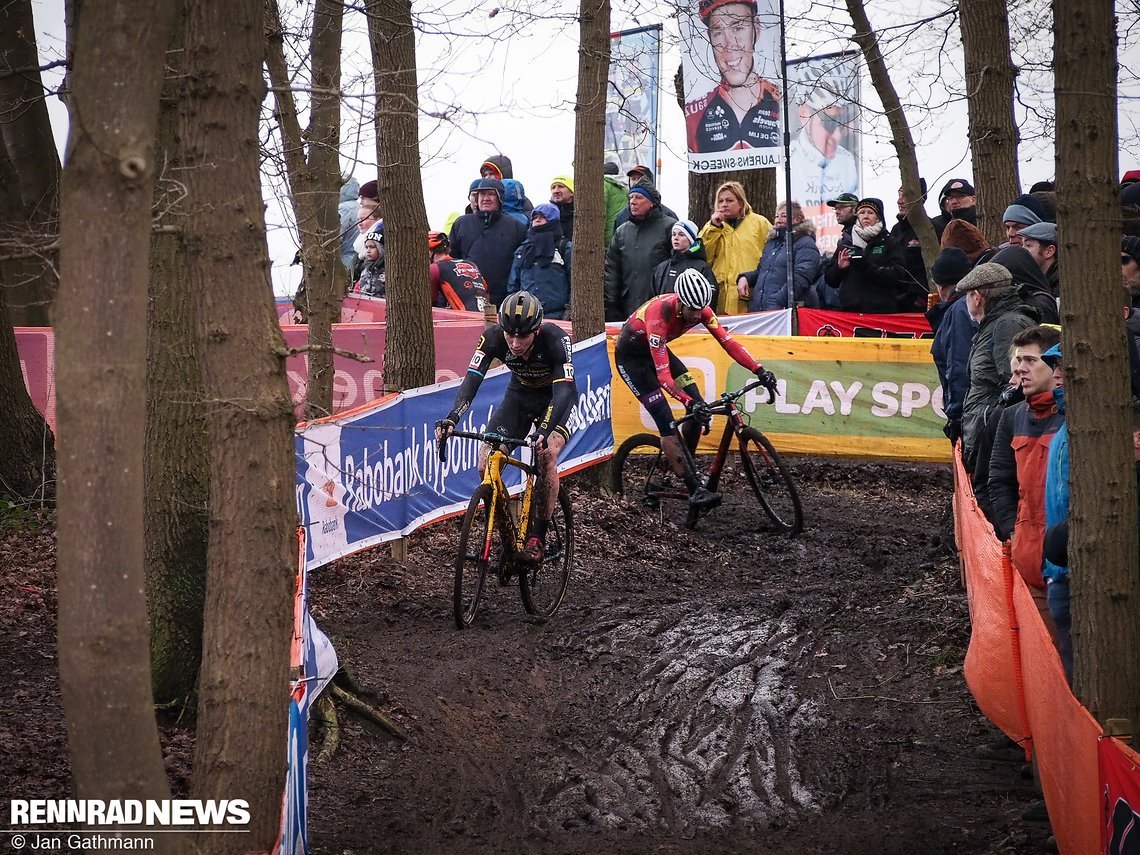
[541, 392]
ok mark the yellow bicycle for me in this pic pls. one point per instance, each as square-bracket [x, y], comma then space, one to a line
[495, 530]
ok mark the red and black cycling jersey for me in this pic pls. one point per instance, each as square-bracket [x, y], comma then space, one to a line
[649, 330]
[457, 284]
[548, 367]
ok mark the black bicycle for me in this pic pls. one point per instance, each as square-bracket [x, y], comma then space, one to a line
[642, 473]
[495, 530]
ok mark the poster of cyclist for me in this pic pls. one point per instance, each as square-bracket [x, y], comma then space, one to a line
[631, 103]
[732, 91]
[824, 101]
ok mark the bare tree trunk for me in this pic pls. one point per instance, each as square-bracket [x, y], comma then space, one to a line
[25, 132]
[1103, 552]
[177, 489]
[27, 466]
[990, 77]
[901, 137]
[759, 184]
[409, 354]
[314, 184]
[586, 303]
[101, 376]
[245, 649]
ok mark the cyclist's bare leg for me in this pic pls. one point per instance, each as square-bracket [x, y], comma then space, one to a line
[548, 482]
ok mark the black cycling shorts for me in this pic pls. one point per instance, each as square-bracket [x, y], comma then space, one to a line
[523, 407]
[636, 368]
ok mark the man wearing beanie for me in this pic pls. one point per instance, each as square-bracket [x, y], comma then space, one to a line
[953, 332]
[1024, 211]
[542, 262]
[640, 174]
[639, 245]
[562, 195]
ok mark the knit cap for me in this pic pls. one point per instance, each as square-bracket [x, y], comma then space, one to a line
[689, 228]
[950, 267]
[965, 236]
[645, 187]
[566, 181]
[1026, 210]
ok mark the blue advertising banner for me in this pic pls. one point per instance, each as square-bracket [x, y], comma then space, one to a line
[374, 475]
[631, 101]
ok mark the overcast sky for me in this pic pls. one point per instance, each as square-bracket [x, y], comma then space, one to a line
[507, 83]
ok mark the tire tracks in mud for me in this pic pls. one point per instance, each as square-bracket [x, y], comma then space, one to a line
[705, 738]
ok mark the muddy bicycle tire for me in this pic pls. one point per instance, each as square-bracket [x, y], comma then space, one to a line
[638, 465]
[771, 482]
[473, 555]
[544, 586]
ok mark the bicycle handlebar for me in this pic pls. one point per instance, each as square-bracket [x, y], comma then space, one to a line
[482, 436]
[719, 407]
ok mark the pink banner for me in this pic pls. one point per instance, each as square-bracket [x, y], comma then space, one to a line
[856, 325]
[36, 346]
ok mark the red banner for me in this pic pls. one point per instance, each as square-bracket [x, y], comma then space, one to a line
[856, 325]
[1120, 785]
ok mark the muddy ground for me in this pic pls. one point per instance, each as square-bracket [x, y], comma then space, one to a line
[723, 690]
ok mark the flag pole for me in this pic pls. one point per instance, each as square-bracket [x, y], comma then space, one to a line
[788, 236]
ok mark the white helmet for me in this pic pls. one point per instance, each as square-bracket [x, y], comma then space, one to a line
[694, 289]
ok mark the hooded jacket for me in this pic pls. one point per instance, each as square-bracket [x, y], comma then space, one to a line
[545, 276]
[989, 366]
[733, 249]
[489, 240]
[514, 201]
[1018, 466]
[665, 274]
[634, 253]
[769, 281]
[1030, 282]
[347, 209]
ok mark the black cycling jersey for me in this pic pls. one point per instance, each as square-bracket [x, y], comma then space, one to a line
[547, 370]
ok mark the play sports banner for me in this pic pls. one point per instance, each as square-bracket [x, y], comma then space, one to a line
[374, 475]
[867, 398]
[817, 322]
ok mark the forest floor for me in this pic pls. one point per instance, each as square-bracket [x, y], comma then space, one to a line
[723, 690]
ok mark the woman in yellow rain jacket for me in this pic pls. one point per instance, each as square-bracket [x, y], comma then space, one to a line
[734, 240]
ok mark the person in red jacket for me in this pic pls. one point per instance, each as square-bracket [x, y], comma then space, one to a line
[1020, 457]
[650, 369]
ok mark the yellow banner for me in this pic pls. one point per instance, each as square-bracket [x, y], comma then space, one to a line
[840, 397]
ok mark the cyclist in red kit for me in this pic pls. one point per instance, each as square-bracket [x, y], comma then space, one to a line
[650, 369]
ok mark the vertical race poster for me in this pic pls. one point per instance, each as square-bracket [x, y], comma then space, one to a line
[823, 97]
[731, 69]
[631, 102]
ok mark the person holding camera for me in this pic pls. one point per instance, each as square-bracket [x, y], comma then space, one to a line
[868, 268]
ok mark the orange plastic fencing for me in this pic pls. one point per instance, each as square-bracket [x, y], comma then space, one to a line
[1064, 734]
[1015, 675]
[992, 666]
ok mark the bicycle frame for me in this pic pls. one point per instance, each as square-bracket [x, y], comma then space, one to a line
[724, 406]
[512, 532]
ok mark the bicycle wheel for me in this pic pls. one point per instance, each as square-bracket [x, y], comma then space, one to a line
[544, 586]
[771, 481]
[642, 474]
[473, 557]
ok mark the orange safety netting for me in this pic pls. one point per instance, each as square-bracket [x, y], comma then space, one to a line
[1015, 675]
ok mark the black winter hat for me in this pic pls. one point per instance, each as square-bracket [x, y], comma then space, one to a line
[950, 267]
[871, 201]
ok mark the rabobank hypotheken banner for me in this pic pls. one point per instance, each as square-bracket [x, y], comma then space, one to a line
[374, 475]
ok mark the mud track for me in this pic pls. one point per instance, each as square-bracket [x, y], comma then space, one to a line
[718, 691]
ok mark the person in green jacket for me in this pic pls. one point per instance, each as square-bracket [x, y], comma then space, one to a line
[616, 197]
